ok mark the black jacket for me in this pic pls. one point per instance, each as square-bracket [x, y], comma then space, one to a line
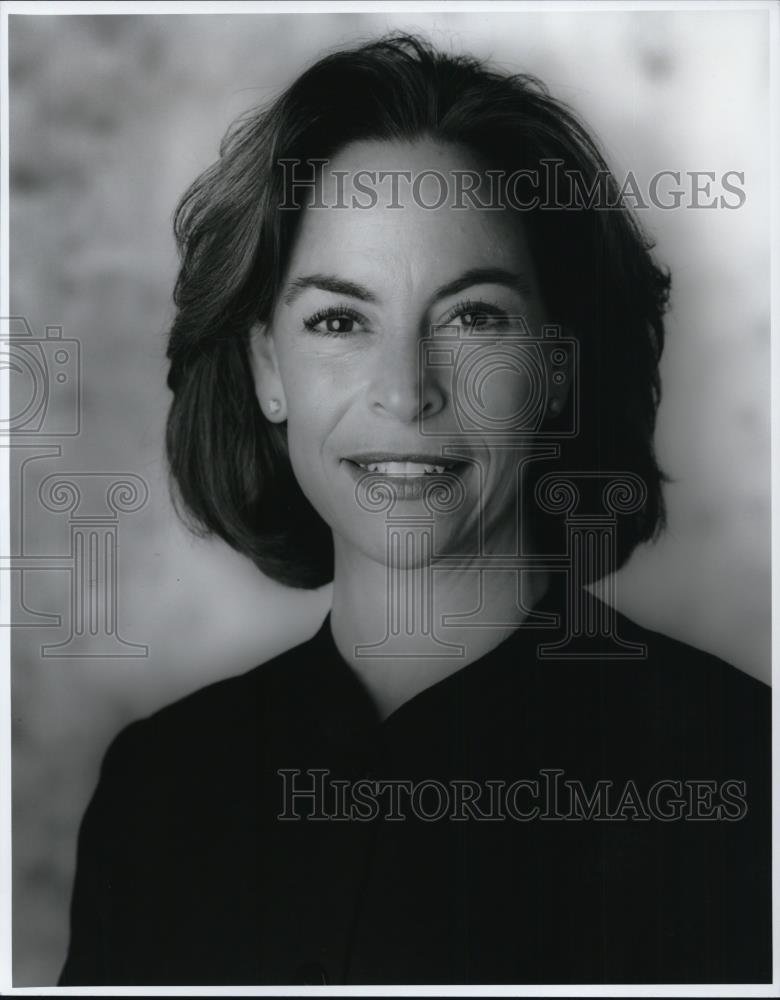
[186, 875]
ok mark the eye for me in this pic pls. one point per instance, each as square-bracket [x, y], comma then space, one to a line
[335, 321]
[477, 316]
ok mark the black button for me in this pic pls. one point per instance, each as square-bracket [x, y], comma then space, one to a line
[311, 974]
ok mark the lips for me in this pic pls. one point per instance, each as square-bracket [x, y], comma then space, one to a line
[402, 468]
[409, 475]
[402, 464]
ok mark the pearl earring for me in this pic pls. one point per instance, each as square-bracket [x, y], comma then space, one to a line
[274, 405]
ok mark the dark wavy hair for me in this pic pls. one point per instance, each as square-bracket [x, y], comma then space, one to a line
[229, 469]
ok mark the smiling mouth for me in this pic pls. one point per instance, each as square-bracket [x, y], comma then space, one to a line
[403, 465]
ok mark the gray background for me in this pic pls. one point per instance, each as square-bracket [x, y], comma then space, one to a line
[111, 117]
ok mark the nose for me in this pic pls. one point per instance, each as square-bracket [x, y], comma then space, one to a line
[403, 386]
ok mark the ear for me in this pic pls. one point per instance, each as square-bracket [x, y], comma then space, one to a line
[265, 368]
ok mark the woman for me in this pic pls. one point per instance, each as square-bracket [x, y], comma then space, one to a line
[416, 352]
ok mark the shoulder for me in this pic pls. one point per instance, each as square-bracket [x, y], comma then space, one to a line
[222, 722]
[675, 662]
[696, 700]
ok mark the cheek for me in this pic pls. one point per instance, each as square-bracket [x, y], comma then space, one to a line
[304, 447]
[306, 426]
[318, 384]
[314, 393]
[505, 391]
[504, 394]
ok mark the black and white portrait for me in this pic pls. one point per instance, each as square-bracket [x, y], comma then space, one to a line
[388, 435]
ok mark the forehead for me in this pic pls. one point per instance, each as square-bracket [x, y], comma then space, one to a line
[383, 219]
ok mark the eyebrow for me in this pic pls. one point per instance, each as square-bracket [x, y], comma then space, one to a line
[474, 276]
[484, 276]
[328, 283]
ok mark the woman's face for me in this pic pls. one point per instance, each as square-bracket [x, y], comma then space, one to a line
[352, 356]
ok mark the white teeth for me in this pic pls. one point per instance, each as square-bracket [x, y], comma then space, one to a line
[404, 468]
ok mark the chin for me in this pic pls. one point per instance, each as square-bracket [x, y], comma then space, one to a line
[406, 544]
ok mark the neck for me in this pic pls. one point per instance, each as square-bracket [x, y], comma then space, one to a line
[395, 627]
